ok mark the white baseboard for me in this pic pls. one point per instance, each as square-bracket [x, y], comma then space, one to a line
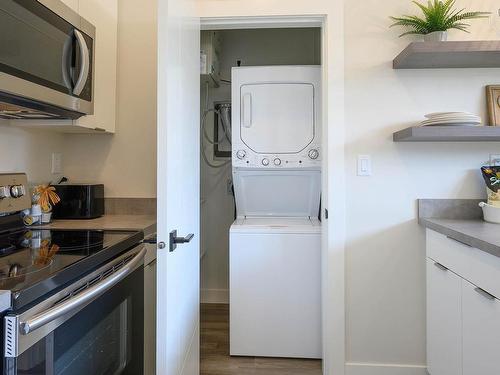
[214, 296]
[383, 369]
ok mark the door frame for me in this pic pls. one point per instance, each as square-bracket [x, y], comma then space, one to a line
[332, 254]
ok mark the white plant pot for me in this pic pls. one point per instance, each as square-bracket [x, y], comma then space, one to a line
[491, 213]
[436, 36]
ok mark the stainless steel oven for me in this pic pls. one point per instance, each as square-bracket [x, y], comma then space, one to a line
[46, 61]
[94, 326]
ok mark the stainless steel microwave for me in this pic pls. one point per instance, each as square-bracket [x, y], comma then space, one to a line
[47, 54]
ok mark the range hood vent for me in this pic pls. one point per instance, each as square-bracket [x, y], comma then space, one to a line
[18, 108]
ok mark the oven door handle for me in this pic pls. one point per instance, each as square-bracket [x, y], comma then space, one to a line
[83, 298]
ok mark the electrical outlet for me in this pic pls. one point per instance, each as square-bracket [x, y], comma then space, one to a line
[494, 160]
[56, 163]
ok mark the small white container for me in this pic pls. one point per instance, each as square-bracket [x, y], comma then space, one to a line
[491, 213]
[36, 213]
[46, 217]
[436, 36]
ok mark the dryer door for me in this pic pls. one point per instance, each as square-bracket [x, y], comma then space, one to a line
[277, 118]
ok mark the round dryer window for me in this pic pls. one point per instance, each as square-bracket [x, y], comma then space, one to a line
[277, 118]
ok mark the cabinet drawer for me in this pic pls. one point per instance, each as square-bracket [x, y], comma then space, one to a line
[474, 265]
[481, 332]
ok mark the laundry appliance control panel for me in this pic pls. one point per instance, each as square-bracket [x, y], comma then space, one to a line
[310, 157]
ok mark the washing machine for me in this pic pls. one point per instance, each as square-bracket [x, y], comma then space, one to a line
[275, 242]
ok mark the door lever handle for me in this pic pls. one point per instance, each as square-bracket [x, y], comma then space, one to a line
[174, 240]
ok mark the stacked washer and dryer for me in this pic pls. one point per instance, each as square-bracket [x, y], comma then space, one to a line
[275, 242]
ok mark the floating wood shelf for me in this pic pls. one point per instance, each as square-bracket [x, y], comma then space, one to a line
[448, 134]
[434, 55]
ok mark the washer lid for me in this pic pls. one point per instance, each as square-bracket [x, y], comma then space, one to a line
[276, 225]
[277, 193]
[277, 118]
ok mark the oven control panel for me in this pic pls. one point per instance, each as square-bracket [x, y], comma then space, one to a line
[14, 194]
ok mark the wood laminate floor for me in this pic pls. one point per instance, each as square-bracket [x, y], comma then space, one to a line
[215, 359]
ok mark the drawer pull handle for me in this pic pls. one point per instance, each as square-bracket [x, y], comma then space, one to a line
[440, 266]
[484, 293]
[460, 242]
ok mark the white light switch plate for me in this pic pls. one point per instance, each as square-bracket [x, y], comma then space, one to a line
[56, 163]
[364, 165]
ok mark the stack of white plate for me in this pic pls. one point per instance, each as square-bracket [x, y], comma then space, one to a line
[451, 119]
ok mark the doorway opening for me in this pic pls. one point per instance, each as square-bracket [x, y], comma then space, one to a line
[221, 51]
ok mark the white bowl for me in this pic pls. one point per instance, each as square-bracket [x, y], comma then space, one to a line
[491, 213]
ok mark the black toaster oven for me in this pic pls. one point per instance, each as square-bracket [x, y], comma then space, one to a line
[79, 201]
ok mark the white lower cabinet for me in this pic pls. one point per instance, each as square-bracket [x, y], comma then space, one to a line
[463, 309]
[481, 332]
[444, 320]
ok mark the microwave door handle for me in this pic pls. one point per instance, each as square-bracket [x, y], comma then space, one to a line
[66, 66]
[85, 63]
[81, 299]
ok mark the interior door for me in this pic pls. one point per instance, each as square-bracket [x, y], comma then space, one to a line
[178, 187]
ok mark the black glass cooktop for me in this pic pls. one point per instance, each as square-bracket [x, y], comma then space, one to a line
[35, 262]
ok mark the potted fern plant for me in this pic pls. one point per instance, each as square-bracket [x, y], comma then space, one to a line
[438, 17]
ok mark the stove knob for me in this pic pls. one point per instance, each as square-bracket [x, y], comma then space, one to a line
[313, 154]
[4, 192]
[277, 161]
[265, 162]
[241, 154]
[17, 191]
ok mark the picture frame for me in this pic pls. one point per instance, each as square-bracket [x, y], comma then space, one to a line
[493, 100]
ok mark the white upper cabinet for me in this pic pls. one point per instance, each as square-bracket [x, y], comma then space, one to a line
[73, 4]
[103, 14]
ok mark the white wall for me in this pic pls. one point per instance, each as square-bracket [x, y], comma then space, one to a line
[125, 162]
[30, 151]
[252, 47]
[384, 245]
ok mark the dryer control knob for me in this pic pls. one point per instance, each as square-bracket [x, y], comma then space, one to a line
[241, 154]
[265, 162]
[277, 161]
[313, 154]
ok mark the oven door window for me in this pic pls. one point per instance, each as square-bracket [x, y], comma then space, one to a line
[106, 337]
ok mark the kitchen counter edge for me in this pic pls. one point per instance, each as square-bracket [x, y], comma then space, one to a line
[145, 223]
